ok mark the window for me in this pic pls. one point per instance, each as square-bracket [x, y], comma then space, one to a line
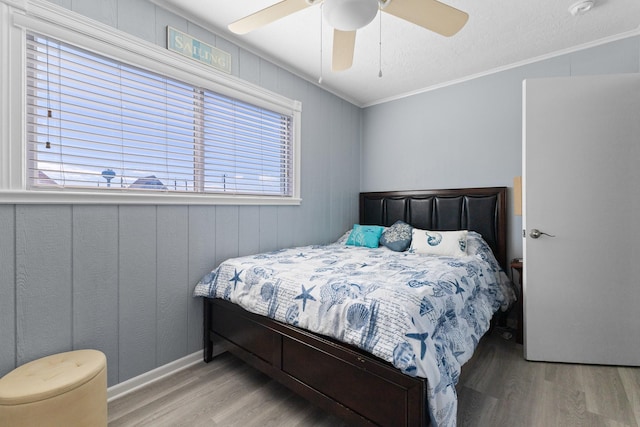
[98, 124]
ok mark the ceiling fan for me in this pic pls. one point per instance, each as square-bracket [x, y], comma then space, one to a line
[346, 16]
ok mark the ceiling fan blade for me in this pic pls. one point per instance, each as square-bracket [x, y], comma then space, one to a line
[430, 14]
[267, 16]
[343, 45]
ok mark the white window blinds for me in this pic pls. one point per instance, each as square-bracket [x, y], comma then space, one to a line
[97, 123]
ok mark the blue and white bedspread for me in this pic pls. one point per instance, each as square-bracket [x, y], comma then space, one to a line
[424, 314]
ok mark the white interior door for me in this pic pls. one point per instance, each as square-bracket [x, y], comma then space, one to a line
[581, 157]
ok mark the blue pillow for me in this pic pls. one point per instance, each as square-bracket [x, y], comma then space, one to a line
[397, 237]
[365, 235]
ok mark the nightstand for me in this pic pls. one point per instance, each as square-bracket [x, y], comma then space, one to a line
[516, 265]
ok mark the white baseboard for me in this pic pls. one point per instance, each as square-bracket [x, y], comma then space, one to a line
[132, 384]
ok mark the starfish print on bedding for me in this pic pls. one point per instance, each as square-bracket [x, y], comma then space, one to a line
[422, 338]
[305, 295]
[459, 289]
[236, 278]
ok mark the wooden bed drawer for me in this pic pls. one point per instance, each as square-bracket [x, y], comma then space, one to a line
[247, 334]
[359, 389]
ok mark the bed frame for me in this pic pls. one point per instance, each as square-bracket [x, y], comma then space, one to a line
[361, 389]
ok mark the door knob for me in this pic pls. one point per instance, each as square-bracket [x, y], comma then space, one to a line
[535, 233]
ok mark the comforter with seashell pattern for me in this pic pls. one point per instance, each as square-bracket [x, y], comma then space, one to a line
[424, 314]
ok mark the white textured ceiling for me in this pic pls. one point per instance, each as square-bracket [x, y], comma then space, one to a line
[499, 33]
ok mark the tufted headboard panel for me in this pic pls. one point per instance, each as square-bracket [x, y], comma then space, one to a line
[482, 210]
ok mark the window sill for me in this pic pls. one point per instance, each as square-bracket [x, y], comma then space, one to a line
[123, 198]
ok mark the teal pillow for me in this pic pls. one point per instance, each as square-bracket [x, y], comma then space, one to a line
[365, 235]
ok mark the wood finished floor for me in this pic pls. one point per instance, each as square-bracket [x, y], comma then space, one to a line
[497, 388]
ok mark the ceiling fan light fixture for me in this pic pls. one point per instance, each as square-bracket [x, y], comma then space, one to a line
[349, 15]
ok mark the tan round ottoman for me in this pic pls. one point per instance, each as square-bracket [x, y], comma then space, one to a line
[66, 389]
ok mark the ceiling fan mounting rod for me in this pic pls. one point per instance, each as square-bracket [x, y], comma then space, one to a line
[381, 3]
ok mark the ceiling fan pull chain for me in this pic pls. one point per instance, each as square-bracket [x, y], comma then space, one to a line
[320, 79]
[380, 44]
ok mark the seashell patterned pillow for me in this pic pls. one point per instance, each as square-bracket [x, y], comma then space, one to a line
[443, 243]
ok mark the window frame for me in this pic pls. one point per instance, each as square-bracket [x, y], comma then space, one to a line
[69, 27]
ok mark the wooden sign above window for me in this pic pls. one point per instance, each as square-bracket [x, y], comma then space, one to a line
[184, 44]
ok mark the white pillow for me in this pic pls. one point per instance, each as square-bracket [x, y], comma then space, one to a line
[444, 243]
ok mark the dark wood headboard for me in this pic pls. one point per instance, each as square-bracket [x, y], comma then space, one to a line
[483, 210]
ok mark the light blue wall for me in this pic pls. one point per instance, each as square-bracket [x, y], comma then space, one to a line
[470, 134]
[119, 277]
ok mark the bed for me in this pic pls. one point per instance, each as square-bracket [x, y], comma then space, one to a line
[331, 337]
